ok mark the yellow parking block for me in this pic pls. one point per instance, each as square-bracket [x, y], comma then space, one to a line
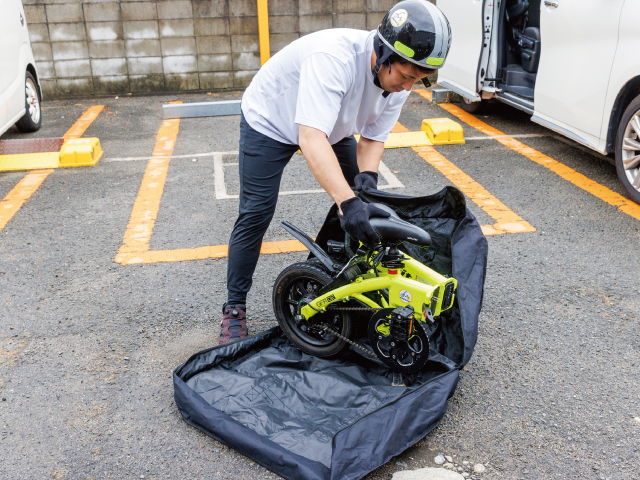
[81, 152]
[28, 161]
[443, 131]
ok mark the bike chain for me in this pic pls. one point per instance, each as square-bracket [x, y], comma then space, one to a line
[353, 309]
[330, 330]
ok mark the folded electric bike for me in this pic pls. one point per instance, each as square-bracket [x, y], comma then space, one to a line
[318, 301]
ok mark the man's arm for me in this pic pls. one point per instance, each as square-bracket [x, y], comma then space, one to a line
[354, 213]
[324, 164]
[369, 154]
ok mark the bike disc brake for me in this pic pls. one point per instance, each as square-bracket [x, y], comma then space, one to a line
[404, 356]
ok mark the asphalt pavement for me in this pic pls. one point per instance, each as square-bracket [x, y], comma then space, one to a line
[88, 345]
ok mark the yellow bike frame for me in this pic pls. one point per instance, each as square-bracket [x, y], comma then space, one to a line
[415, 284]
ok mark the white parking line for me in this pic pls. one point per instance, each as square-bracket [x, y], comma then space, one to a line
[130, 159]
[232, 152]
[391, 179]
[218, 174]
[221, 188]
[523, 135]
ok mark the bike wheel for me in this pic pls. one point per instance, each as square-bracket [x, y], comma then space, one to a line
[291, 285]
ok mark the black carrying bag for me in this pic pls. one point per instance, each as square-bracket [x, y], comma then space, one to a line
[304, 417]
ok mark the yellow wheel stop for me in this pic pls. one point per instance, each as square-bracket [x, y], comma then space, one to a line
[442, 131]
[80, 152]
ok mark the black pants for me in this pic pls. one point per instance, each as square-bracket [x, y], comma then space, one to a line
[262, 161]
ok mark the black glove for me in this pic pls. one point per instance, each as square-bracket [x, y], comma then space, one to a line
[366, 179]
[355, 220]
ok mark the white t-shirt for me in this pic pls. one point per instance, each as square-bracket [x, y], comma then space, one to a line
[324, 81]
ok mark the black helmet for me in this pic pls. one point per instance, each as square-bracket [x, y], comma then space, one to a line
[417, 31]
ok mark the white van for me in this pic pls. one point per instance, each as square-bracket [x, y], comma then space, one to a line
[20, 93]
[574, 65]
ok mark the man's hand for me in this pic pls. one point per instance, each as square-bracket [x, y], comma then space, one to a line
[355, 220]
[366, 179]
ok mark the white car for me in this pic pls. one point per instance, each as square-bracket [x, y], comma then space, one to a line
[20, 93]
[572, 64]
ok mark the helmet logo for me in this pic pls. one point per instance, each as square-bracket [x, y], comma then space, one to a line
[398, 17]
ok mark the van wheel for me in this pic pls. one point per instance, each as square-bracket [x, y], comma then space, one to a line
[471, 107]
[628, 150]
[32, 119]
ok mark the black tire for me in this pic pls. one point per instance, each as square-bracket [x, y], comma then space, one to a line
[630, 179]
[32, 118]
[292, 283]
[471, 107]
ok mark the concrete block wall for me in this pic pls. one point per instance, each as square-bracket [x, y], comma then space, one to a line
[116, 47]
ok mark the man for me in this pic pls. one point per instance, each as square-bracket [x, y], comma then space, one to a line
[315, 94]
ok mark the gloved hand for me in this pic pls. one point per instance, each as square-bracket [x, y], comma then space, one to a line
[366, 179]
[355, 220]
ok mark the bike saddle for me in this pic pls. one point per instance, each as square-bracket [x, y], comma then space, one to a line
[395, 230]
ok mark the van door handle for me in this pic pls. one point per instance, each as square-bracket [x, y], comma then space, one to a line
[549, 3]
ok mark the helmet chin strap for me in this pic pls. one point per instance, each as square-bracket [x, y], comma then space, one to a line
[382, 58]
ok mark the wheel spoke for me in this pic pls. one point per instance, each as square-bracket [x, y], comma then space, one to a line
[635, 123]
[630, 144]
[301, 287]
[636, 183]
[309, 333]
[631, 163]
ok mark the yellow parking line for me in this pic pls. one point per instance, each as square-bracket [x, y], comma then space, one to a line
[405, 139]
[137, 238]
[78, 128]
[10, 204]
[603, 193]
[26, 187]
[42, 160]
[507, 221]
[217, 251]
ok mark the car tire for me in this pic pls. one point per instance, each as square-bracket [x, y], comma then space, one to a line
[628, 150]
[32, 119]
[471, 107]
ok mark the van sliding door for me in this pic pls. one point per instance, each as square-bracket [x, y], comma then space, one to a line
[578, 39]
[460, 70]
